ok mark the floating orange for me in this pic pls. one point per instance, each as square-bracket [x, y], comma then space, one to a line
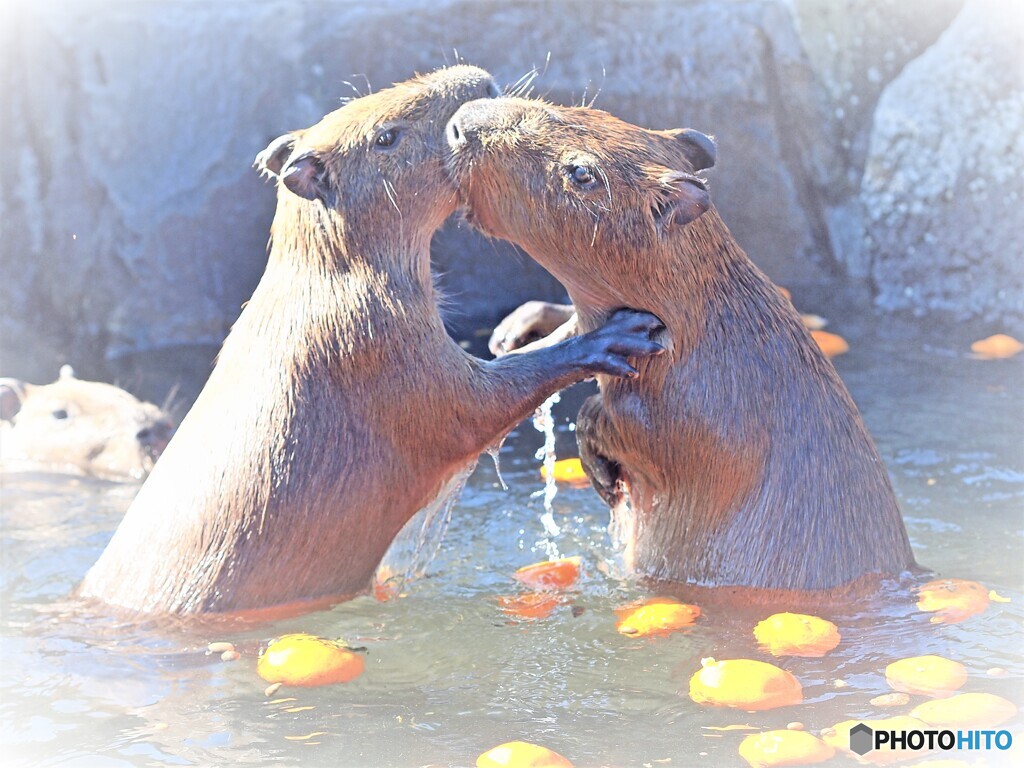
[926, 675]
[838, 736]
[966, 710]
[657, 616]
[784, 748]
[568, 471]
[832, 344]
[796, 634]
[550, 574]
[521, 754]
[308, 660]
[952, 600]
[532, 605]
[744, 684]
[997, 347]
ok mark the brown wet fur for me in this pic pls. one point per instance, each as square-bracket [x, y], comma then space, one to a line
[77, 427]
[338, 406]
[745, 459]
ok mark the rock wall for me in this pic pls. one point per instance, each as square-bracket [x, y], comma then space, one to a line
[943, 187]
[131, 219]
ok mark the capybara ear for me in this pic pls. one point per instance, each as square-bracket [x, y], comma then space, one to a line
[681, 198]
[698, 148]
[12, 392]
[306, 177]
[272, 159]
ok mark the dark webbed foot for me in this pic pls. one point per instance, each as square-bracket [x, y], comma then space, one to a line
[604, 473]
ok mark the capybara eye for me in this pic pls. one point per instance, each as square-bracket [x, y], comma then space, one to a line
[60, 414]
[386, 139]
[583, 176]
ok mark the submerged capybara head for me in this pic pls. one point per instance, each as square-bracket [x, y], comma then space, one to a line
[373, 159]
[567, 182]
[80, 427]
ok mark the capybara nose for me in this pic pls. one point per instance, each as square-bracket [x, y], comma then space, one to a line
[471, 119]
[155, 433]
[456, 136]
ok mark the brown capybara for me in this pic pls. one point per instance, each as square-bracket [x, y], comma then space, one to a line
[338, 406]
[744, 458]
[79, 427]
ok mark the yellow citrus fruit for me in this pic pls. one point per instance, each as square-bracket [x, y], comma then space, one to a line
[568, 471]
[926, 675]
[838, 736]
[784, 747]
[796, 634]
[550, 574]
[521, 754]
[657, 616]
[308, 660]
[952, 600]
[744, 684]
[966, 710]
[832, 344]
[996, 347]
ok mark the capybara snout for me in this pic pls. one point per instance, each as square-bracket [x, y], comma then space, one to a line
[596, 172]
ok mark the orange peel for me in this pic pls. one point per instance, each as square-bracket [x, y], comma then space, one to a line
[744, 684]
[784, 747]
[569, 471]
[658, 616]
[307, 660]
[966, 710]
[521, 754]
[797, 634]
[926, 675]
[952, 600]
[550, 574]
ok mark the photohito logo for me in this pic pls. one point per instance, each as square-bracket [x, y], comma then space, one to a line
[864, 738]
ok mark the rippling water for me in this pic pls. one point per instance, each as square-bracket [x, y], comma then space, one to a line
[449, 676]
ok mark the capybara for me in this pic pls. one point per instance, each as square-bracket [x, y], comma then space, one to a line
[744, 458]
[338, 406]
[80, 428]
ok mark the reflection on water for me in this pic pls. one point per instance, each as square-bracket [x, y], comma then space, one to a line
[448, 675]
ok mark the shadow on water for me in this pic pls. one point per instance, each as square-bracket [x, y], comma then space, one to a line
[449, 675]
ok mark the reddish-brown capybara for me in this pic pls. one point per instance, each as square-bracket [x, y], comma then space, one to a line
[79, 427]
[743, 456]
[338, 406]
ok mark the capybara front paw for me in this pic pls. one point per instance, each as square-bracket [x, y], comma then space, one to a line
[627, 334]
[604, 473]
[527, 323]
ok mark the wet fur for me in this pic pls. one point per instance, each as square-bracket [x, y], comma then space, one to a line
[744, 457]
[338, 406]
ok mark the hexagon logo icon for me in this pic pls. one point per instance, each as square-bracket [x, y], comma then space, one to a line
[862, 739]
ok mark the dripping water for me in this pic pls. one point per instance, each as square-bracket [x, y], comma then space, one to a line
[544, 422]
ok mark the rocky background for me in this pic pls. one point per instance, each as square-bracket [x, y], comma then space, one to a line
[879, 143]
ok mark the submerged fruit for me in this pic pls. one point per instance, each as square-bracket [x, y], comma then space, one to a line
[308, 660]
[744, 684]
[550, 574]
[657, 616]
[797, 634]
[926, 675]
[568, 471]
[952, 600]
[521, 754]
[832, 344]
[996, 347]
[531, 605]
[966, 710]
[787, 747]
